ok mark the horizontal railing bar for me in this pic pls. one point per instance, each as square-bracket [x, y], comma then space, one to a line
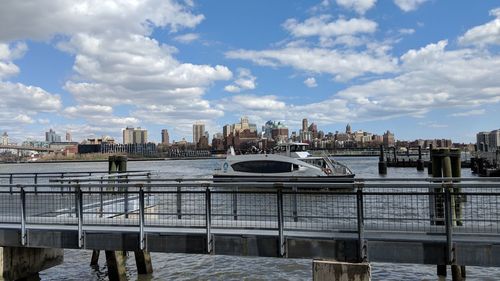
[300, 179]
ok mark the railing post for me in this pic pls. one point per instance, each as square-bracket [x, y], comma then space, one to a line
[281, 238]
[101, 199]
[79, 214]
[362, 247]
[448, 224]
[36, 182]
[23, 216]
[141, 219]
[294, 205]
[179, 202]
[11, 182]
[234, 202]
[208, 219]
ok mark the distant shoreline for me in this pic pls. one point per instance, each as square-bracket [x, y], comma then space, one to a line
[105, 160]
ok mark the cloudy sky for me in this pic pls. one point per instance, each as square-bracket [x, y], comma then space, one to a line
[420, 68]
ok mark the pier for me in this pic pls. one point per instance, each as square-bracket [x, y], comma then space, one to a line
[368, 220]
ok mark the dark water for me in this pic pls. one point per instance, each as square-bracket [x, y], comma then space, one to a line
[205, 267]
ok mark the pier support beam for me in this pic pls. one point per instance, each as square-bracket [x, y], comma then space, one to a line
[115, 261]
[25, 263]
[143, 262]
[340, 271]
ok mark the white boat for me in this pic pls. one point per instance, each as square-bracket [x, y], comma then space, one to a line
[290, 160]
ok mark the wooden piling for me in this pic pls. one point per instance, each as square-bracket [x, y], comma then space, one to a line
[116, 266]
[382, 163]
[143, 262]
[94, 261]
[420, 162]
[429, 165]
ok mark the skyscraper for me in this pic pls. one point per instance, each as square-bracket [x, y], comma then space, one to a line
[165, 139]
[348, 129]
[198, 131]
[5, 138]
[304, 125]
[133, 135]
[51, 136]
[68, 136]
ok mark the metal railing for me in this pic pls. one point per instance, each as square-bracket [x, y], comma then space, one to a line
[443, 207]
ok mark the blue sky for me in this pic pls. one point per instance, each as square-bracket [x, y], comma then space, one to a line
[420, 68]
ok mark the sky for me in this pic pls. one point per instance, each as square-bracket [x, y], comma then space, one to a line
[419, 68]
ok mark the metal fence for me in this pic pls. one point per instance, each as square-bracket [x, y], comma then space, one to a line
[443, 207]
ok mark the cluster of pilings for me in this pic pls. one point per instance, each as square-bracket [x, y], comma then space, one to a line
[383, 163]
[446, 163]
[486, 167]
[115, 260]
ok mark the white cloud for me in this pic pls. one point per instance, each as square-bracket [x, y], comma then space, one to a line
[252, 102]
[87, 111]
[311, 82]
[406, 31]
[343, 65]
[432, 77]
[469, 113]
[245, 81]
[323, 26]
[7, 55]
[486, 34]
[187, 38]
[409, 5]
[20, 103]
[360, 6]
[43, 19]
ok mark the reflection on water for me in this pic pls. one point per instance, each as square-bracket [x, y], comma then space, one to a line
[205, 267]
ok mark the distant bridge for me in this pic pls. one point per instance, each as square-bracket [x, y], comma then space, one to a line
[30, 148]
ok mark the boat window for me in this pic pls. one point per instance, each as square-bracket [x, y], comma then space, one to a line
[264, 167]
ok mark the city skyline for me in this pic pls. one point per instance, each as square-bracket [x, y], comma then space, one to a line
[422, 69]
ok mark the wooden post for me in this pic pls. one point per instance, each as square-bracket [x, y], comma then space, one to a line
[436, 201]
[116, 266]
[429, 165]
[420, 162]
[95, 258]
[382, 164]
[143, 262]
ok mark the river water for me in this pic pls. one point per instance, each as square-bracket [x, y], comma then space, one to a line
[207, 267]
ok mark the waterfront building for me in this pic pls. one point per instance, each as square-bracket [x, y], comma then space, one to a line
[133, 135]
[226, 130]
[68, 136]
[313, 128]
[165, 139]
[388, 139]
[5, 139]
[494, 140]
[51, 136]
[198, 131]
[266, 129]
[483, 141]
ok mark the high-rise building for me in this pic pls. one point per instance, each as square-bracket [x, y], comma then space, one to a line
[133, 135]
[68, 136]
[5, 139]
[165, 139]
[388, 138]
[51, 136]
[494, 140]
[304, 125]
[198, 131]
[348, 129]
